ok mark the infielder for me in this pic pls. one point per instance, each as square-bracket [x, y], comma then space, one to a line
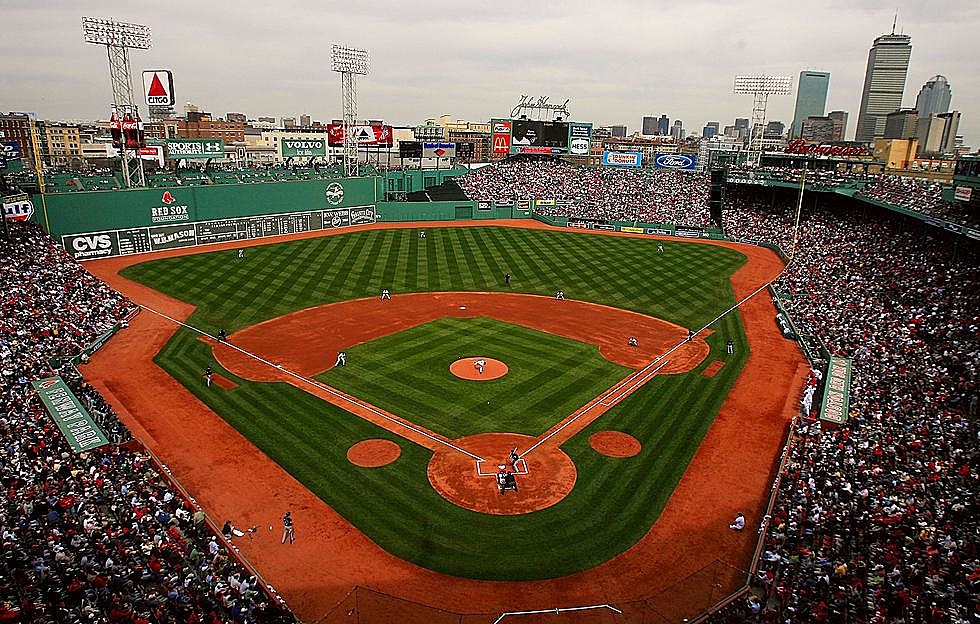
[207, 375]
[341, 359]
[385, 294]
[632, 341]
[730, 347]
[560, 295]
[287, 528]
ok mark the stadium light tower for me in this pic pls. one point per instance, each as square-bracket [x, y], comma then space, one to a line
[118, 38]
[349, 62]
[760, 88]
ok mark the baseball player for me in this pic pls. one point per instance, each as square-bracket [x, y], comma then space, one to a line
[739, 523]
[385, 294]
[690, 335]
[421, 233]
[514, 457]
[207, 375]
[660, 248]
[241, 253]
[479, 365]
[506, 279]
[560, 295]
[341, 359]
[222, 336]
[730, 347]
[632, 341]
[287, 528]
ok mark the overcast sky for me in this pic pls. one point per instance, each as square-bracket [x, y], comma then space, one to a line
[616, 60]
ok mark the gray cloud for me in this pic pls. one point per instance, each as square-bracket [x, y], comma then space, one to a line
[617, 59]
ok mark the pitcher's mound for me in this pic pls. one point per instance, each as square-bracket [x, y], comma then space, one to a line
[615, 444]
[373, 453]
[467, 368]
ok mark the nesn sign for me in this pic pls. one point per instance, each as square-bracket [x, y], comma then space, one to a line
[674, 161]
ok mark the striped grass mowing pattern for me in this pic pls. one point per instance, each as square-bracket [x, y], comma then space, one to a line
[614, 502]
[407, 373]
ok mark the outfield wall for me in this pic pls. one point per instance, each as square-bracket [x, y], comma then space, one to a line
[447, 211]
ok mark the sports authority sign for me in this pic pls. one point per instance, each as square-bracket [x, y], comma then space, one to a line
[69, 414]
[622, 159]
[303, 147]
[158, 85]
[195, 148]
[677, 162]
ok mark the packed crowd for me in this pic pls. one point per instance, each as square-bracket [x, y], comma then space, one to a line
[606, 193]
[876, 521]
[923, 196]
[103, 535]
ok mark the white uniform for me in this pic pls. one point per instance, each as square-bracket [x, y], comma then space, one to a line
[385, 294]
[341, 359]
[479, 365]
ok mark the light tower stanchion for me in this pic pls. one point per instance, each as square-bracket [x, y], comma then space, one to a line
[760, 88]
[349, 63]
[118, 38]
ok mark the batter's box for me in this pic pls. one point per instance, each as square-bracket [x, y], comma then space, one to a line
[520, 465]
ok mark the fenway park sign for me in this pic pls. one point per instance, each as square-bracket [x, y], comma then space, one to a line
[802, 147]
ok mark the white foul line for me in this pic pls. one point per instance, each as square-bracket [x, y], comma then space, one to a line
[644, 371]
[325, 388]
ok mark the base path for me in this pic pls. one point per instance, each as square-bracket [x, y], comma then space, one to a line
[730, 471]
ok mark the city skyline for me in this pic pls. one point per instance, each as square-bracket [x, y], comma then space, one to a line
[484, 59]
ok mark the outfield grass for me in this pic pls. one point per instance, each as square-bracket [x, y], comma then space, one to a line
[407, 374]
[614, 502]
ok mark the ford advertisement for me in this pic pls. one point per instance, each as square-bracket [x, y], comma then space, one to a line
[677, 162]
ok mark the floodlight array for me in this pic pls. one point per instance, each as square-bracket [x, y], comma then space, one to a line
[773, 85]
[347, 60]
[113, 33]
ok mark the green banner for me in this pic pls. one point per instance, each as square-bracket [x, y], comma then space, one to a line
[69, 414]
[195, 148]
[837, 391]
[303, 147]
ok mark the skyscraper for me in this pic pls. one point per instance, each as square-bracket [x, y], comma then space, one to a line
[934, 97]
[710, 129]
[663, 126]
[840, 124]
[811, 97]
[677, 131]
[884, 83]
[649, 126]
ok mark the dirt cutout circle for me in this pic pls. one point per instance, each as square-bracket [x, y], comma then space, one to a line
[543, 479]
[373, 453]
[615, 444]
[478, 368]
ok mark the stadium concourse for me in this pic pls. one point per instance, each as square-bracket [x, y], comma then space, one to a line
[875, 521]
[101, 535]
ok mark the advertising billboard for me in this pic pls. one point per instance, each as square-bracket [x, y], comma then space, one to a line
[303, 147]
[677, 162]
[158, 85]
[195, 148]
[501, 135]
[439, 150]
[375, 135]
[10, 149]
[622, 159]
[579, 138]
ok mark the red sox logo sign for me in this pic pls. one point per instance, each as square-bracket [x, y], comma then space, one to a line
[167, 198]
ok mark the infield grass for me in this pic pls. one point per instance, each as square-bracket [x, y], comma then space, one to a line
[407, 373]
[614, 501]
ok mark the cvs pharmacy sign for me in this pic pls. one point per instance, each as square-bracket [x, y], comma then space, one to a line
[91, 245]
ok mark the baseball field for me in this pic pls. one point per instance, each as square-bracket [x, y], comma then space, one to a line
[398, 448]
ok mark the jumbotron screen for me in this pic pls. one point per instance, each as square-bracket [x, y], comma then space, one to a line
[528, 136]
[540, 133]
